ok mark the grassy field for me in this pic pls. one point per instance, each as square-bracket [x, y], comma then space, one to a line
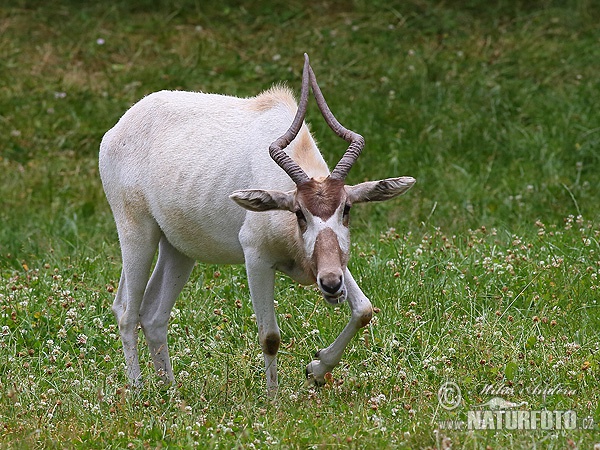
[486, 274]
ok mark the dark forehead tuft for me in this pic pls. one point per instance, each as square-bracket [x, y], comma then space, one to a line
[321, 198]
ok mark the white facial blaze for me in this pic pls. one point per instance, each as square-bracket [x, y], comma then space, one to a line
[315, 225]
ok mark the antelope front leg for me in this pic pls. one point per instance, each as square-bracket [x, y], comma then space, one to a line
[329, 357]
[261, 280]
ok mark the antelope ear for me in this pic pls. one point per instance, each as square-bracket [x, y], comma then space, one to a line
[376, 191]
[263, 200]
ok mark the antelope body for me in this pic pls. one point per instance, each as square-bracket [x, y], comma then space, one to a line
[170, 168]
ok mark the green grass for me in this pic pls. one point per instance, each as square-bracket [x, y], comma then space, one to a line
[485, 273]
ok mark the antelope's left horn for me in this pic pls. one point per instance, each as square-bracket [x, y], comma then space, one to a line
[357, 142]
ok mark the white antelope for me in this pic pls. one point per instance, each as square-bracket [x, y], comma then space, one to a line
[169, 168]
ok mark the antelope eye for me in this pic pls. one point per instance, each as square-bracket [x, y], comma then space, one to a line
[346, 216]
[300, 216]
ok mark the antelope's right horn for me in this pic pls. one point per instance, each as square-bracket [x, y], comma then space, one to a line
[276, 148]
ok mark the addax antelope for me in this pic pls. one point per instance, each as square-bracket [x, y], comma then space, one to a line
[171, 167]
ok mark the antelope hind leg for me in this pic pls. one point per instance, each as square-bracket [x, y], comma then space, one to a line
[170, 274]
[138, 246]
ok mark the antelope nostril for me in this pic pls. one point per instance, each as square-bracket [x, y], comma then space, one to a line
[332, 284]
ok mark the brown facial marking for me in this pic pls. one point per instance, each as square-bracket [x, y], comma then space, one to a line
[328, 254]
[328, 261]
[321, 198]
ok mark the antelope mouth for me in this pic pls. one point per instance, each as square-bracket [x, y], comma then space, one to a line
[337, 298]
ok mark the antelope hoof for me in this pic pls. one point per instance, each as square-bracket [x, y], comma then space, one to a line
[315, 373]
[135, 385]
[272, 392]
